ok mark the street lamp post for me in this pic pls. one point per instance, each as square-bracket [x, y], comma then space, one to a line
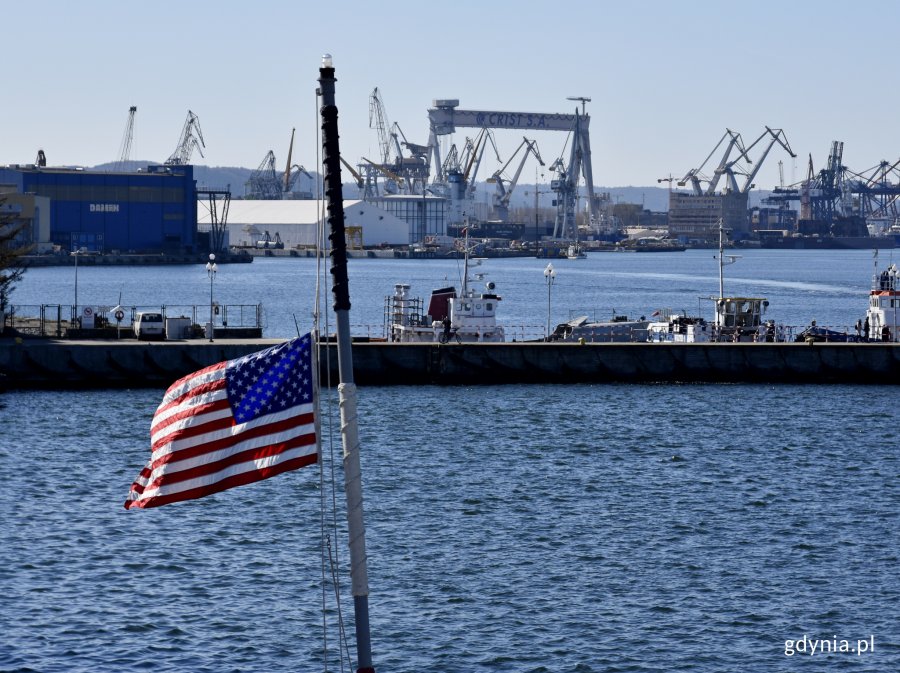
[75, 310]
[550, 276]
[211, 270]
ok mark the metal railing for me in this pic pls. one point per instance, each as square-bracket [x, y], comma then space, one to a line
[57, 320]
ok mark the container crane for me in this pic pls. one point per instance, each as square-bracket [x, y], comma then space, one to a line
[504, 193]
[879, 197]
[127, 138]
[191, 139]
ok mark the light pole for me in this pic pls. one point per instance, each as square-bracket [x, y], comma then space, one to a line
[211, 269]
[550, 276]
[75, 310]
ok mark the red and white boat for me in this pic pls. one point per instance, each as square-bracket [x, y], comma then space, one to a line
[883, 314]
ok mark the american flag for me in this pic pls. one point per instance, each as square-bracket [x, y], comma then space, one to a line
[230, 424]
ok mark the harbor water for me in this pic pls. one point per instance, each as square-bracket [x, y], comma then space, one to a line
[568, 528]
[829, 286]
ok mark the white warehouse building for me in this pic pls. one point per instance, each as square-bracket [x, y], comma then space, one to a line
[295, 222]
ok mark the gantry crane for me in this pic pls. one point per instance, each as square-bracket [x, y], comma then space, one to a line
[566, 182]
[191, 139]
[445, 117]
[879, 198]
[127, 138]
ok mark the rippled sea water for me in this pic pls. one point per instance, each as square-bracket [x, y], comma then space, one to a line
[606, 528]
[829, 286]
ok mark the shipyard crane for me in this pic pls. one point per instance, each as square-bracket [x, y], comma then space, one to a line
[398, 180]
[412, 170]
[732, 167]
[294, 174]
[566, 183]
[726, 166]
[127, 138]
[289, 178]
[474, 152]
[191, 139]
[694, 176]
[263, 183]
[774, 136]
[287, 168]
[360, 181]
[452, 161]
[387, 136]
[504, 193]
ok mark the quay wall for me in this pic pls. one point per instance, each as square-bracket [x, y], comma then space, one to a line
[40, 363]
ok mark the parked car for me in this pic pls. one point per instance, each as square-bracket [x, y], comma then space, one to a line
[149, 326]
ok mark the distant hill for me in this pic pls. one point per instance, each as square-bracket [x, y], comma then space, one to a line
[653, 198]
[217, 177]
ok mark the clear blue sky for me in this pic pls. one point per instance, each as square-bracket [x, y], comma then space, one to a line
[666, 78]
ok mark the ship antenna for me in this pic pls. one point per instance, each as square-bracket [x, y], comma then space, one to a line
[721, 259]
[465, 284]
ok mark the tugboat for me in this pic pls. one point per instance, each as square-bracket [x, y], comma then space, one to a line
[468, 316]
[882, 319]
[574, 251]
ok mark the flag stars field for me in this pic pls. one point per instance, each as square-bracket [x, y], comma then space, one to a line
[231, 424]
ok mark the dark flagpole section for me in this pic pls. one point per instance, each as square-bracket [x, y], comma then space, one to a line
[334, 195]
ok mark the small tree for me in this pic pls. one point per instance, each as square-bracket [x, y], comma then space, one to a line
[12, 251]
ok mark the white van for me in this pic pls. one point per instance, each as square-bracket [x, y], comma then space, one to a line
[149, 326]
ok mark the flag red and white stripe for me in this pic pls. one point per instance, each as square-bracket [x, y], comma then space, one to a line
[231, 424]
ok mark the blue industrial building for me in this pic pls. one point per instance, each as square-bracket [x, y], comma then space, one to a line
[154, 210]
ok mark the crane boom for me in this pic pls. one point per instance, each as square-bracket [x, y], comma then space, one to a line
[356, 176]
[127, 138]
[504, 193]
[191, 139]
[287, 167]
[379, 121]
[777, 135]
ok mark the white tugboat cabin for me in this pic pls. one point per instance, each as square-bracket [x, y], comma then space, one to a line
[884, 306]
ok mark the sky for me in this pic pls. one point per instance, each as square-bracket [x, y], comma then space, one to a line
[665, 79]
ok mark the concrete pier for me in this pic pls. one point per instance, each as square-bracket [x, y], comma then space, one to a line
[46, 363]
